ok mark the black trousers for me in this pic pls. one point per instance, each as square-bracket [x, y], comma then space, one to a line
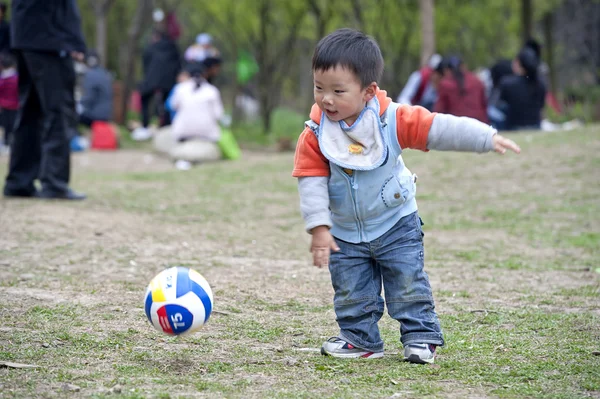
[155, 102]
[40, 145]
[7, 121]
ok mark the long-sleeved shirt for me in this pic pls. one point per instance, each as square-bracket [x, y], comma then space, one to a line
[198, 111]
[416, 128]
[471, 102]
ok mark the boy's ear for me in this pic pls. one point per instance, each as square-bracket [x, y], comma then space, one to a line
[370, 91]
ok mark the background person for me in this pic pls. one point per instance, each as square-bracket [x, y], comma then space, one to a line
[40, 146]
[521, 97]
[97, 100]
[195, 131]
[419, 82]
[461, 93]
[9, 96]
[161, 65]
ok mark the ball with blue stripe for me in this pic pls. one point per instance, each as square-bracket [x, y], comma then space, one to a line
[178, 301]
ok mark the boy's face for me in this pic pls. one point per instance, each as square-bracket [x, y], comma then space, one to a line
[339, 94]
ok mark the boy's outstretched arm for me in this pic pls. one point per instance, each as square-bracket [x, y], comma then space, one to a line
[452, 133]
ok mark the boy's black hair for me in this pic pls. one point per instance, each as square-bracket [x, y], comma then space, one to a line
[350, 49]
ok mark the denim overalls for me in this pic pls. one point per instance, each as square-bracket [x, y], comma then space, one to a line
[378, 230]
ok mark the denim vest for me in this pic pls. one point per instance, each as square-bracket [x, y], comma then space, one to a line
[365, 204]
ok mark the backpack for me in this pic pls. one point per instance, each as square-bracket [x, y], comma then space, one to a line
[104, 136]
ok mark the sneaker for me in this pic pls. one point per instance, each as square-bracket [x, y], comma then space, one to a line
[419, 353]
[337, 347]
[141, 134]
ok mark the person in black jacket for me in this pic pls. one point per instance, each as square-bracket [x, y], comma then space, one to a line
[161, 64]
[521, 96]
[46, 36]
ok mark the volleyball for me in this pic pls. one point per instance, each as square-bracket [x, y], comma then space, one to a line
[178, 301]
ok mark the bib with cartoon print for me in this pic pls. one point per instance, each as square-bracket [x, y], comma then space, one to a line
[361, 146]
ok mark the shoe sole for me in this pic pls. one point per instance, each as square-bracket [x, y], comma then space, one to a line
[365, 355]
[416, 359]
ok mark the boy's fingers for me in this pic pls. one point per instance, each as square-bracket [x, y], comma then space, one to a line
[321, 257]
[511, 145]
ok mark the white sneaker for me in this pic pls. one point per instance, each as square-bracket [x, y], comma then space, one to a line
[141, 134]
[183, 165]
[337, 347]
[419, 353]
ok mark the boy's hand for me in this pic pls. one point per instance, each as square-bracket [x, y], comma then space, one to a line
[321, 245]
[501, 144]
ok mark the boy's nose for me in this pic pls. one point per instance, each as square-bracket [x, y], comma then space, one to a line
[327, 100]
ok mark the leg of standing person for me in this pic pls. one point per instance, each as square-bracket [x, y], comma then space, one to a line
[408, 294]
[25, 152]
[358, 304]
[142, 133]
[9, 116]
[146, 104]
[165, 117]
[55, 82]
[53, 77]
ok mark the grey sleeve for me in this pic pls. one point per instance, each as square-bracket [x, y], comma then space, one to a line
[314, 201]
[453, 133]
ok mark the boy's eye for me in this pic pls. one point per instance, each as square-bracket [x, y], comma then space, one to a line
[318, 88]
[339, 91]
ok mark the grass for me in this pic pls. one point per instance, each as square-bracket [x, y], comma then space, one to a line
[512, 249]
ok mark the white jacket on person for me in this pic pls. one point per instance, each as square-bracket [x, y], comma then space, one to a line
[199, 110]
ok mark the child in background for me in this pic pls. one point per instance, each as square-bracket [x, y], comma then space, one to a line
[9, 95]
[358, 198]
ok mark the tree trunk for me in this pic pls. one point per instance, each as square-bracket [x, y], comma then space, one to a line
[101, 32]
[549, 49]
[135, 31]
[526, 19]
[427, 10]
[101, 8]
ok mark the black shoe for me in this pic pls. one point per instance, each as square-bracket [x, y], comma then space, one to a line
[68, 195]
[20, 193]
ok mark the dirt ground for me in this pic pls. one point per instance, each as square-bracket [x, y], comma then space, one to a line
[509, 239]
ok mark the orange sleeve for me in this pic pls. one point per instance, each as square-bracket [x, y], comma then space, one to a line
[412, 126]
[309, 161]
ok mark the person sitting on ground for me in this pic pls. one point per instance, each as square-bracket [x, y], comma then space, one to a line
[183, 76]
[97, 100]
[461, 93]
[9, 96]
[211, 68]
[419, 89]
[195, 131]
[521, 97]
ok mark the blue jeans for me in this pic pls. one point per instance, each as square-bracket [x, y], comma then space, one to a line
[396, 260]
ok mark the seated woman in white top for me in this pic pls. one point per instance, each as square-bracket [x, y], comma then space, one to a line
[195, 131]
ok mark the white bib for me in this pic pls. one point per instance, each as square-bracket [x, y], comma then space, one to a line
[359, 147]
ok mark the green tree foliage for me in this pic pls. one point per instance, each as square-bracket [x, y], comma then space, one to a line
[281, 36]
